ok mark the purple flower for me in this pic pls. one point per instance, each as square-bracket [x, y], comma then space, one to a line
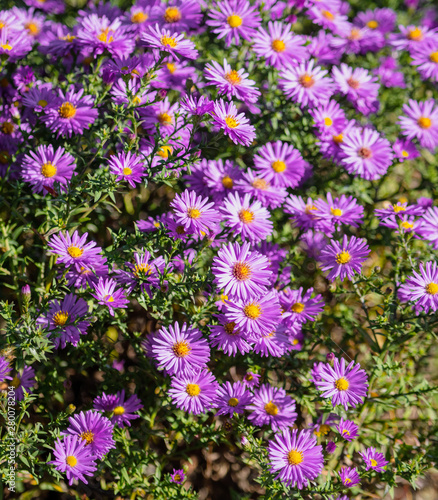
[344, 385]
[405, 150]
[122, 411]
[258, 187]
[193, 391]
[235, 125]
[177, 476]
[347, 429]
[127, 167]
[296, 457]
[304, 214]
[177, 349]
[332, 19]
[66, 320]
[177, 15]
[241, 273]
[382, 20]
[195, 106]
[14, 45]
[84, 276]
[39, 98]
[425, 57]
[73, 115]
[107, 295]
[374, 460]
[411, 37]
[24, 382]
[330, 447]
[328, 118]
[234, 19]
[231, 399]
[249, 219]
[429, 226]
[229, 338]
[74, 457]
[299, 307]
[420, 121]
[325, 422]
[95, 429]
[47, 166]
[276, 343]
[389, 74]
[366, 154]
[251, 379]
[422, 288]
[175, 44]
[399, 209]
[4, 369]
[342, 210]
[220, 178]
[73, 251]
[279, 45]
[349, 476]
[306, 84]
[271, 406]
[280, 164]
[344, 259]
[231, 82]
[193, 212]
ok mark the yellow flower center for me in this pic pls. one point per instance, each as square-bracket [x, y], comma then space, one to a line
[71, 460]
[119, 410]
[328, 15]
[343, 258]
[172, 15]
[4, 157]
[432, 288]
[87, 436]
[105, 36]
[337, 212]
[48, 169]
[169, 40]
[372, 24]
[306, 81]
[127, 171]
[75, 252]
[234, 21]
[139, 17]
[373, 462]
[295, 457]
[342, 384]
[231, 121]
[278, 45]
[171, 67]
[328, 121]
[6, 46]
[42, 103]
[345, 432]
[271, 408]
[194, 213]
[16, 381]
[424, 122]
[233, 77]
[407, 225]
[353, 83]
[67, 110]
[60, 318]
[230, 328]
[298, 307]
[398, 208]
[233, 402]
[32, 28]
[252, 311]
[416, 34]
[260, 184]
[8, 128]
[109, 298]
[193, 390]
[164, 118]
[434, 57]
[354, 34]
[144, 269]
[249, 377]
[227, 182]
[278, 166]
[242, 271]
[347, 481]
[310, 208]
[338, 138]
[164, 152]
[69, 38]
[405, 154]
[181, 349]
[246, 216]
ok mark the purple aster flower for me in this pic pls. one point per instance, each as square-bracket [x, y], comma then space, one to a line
[424, 202]
[278, 45]
[175, 44]
[177, 476]
[349, 476]
[231, 399]
[405, 150]
[66, 320]
[233, 19]
[382, 20]
[338, 211]
[429, 226]
[344, 385]
[97, 34]
[14, 45]
[49, 6]
[403, 223]
[275, 343]
[137, 18]
[177, 15]
[325, 422]
[197, 106]
[38, 98]
[132, 94]
[330, 447]
[425, 57]
[24, 382]
[304, 214]
[296, 457]
[389, 73]
[258, 187]
[420, 121]
[306, 84]
[313, 242]
[422, 288]
[122, 410]
[258, 316]
[328, 15]
[74, 457]
[344, 259]
[106, 294]
[228, 338]
[242, 274]
[271, 406]
[176, 349]
[73, 115]
[328, 118]
[399, 209]
[374, 460]
[59, 41]
[220, 177]
[193, 212]
[74, 251]
[366, 154]
[4, 369]
[231, 82]
[84, 276]
[300, 307]
[235, 125]
[193, 391]
[249, 219]
[127, 167]
[355, 40]
[411, 37]
[280, 164]
[95, 429]
[251, 379]
[47, 166]
[347, 429]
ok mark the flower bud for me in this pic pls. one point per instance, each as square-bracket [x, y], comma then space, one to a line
[162, 93]
[331, 447]
[70, 409]
[330, 357]
[25, 293]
